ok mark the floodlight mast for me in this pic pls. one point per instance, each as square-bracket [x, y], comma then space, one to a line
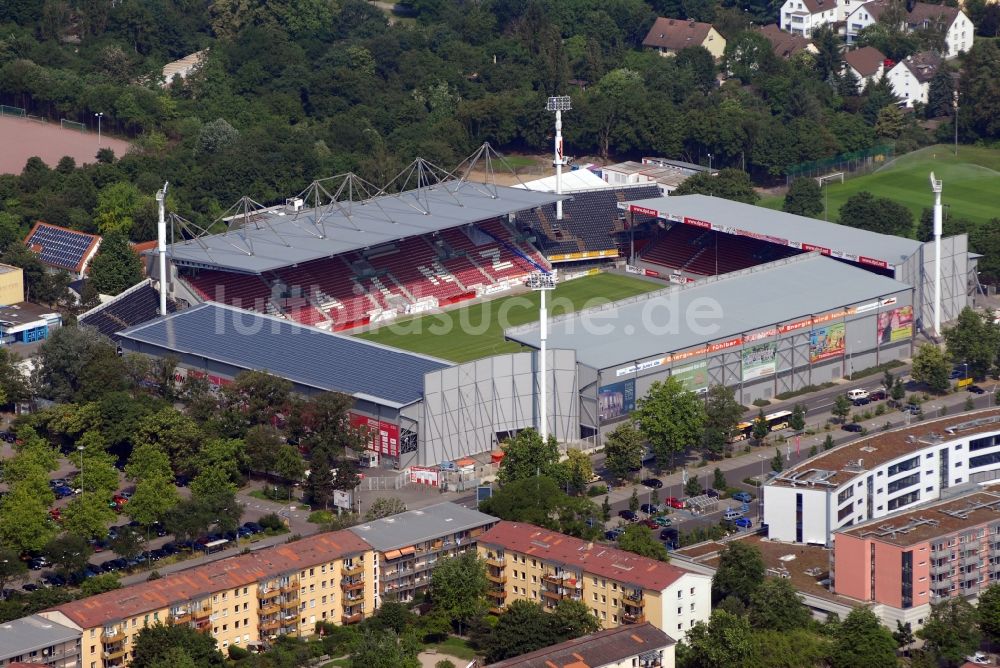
[161, 246]
[936, 187]
[558, 104]
[543, 282]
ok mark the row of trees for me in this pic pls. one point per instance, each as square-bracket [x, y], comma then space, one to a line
[972, 343]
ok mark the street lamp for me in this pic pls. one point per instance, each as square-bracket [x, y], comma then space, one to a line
[954, 105]
[558, 104]
[79, 449]
[709, 163]
[99, 115]
[543, 282]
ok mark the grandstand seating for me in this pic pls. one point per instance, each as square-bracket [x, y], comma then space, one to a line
[128, 309]
[241, 290]
[329, 283]
[416, 267]
[708, 253]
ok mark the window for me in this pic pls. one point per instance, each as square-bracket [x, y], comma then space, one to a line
[903, 483]
[907, 465]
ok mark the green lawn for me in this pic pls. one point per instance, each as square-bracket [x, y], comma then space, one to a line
[971, 182]
[465, 334]
[453, 646]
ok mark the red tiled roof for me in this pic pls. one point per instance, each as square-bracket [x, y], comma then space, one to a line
[61, 247]
[865, 60]
[784, 44]
[594, 558]
[676, 34]
[923, 11]
[200, 581]
[143, 246]
[819, 6]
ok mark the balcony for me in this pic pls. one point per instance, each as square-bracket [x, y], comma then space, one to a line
[181, 618]
[944, 568]
[351, 619]
[351, 571]
[629, 618]
[972, 560]
[349, 585]
[288, 587]
[203, 625]
[634, 601]
[495, 561]
[554, 595]
[113, 637]
[290, 604]
[497, 610]
[269, 608]
[115, 652]
[499, 578]
[500, 594]
[203, 612]
[269, 626]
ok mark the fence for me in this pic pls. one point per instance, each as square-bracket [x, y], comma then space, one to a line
[858, 161]
[6, 110]
[67, 124]
[384, 483]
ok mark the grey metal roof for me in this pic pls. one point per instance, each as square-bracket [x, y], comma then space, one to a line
[304, 355]
[279, 238]
[643, 326]
[414, 526]
[780, 227]
[28, 634]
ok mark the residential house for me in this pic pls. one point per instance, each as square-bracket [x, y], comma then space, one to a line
[668, 36]
[63, 248]
[639, 646]
[409, 545]
[527, 562]
[785, 44]
[37, 641]
[867, 64]
[242, 600]
[804, 17]
[911, 78]
[951, 21]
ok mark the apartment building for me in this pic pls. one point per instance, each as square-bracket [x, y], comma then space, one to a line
[410, 544]
[242, 600]
[638, 646]
[904, 563]
[885, 473]
[38, 641]
[530, 563]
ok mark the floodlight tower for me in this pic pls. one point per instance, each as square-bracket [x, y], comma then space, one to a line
[161, 246]
[936, 186]
[558, 104]
[543, 282]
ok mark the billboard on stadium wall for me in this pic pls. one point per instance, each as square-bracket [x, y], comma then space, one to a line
[759, 361]
[615, 400]
[381, 436]
[694, 377]
[827, 342]
[895, 325]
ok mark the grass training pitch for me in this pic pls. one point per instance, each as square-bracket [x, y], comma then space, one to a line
[476, 331]
[971, 183]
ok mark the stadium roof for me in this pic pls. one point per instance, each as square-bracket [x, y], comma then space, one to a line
[304, 355]
[279, 237]
[28, 635]
[640, 327]
[415, 526]
[787, 229]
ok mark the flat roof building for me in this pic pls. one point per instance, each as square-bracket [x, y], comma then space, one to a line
[638, 646]
[410, 544]
[527, 562]
[38, 641]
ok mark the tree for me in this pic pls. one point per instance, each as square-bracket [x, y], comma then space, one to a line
[989, 612]
[78, 364]
[573, 619]
[640, 539]
[458, 587]
[623, 450]
[828, 442]
[578, 470]
[975, 340]
[99, 584]
[212, 490]
[730, 184]
[384, 506]
[127, 543]
[670, 417]
[87, 516]
[157, 644]
[606, 508]
[898, 390]
[24, 520]
[68, 553]
[876, 214]
[804, 198]
[525, 455]
[215, 136]
[797, 421]
[740, 573]
[930, 366]
[841, 407]
[289, 465]
[226, 454]
[11, 567]
[522, 628]
[777, 606]
[261, 444]
[747, 54]
[188, 519]
[116, 266]
[940, 94]
[719, 479]
[888, 380]
[777, 462]
[725, 641]
[540, 501]
[862, 642]
[254, 398]
[175, 434]
[384, 649]
[903, 635]
[633, 501]
[118, 205]
[952, 631]
[760, 428]
[722, 414]
[392, 615]
[14, 386]
[890, 123]
[985, 239]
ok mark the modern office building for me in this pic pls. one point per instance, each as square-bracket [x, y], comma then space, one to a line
[640, 646]
[905, 563]
[882, 474]
[410, 544]
[527, 562]
[38, 641]
[274, 591]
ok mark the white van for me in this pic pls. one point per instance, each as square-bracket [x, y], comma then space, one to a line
[854, 395]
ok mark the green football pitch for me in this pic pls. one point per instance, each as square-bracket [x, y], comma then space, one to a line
[971, 183]
[468, 333]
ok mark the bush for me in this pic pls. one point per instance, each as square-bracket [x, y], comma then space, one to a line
[155, 575]
[237, 653]
[760, 403]
[271, 522]
[880, 409]
[444, 663]
[320, 517]
[969, 404]
[597, 490]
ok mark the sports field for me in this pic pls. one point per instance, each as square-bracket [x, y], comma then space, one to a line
[971, 183]
[21, 139]
[476, 331]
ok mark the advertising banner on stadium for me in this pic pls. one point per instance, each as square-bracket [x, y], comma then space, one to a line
[694, 377]
[615, 400]
[382, 436]
[895, 325]
[759, 361]
[827, 342]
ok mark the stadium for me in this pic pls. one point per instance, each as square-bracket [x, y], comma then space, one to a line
[297, 289]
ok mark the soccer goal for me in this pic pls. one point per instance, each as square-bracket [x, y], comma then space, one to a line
[67, 124]
[830, 178]
[6, 110]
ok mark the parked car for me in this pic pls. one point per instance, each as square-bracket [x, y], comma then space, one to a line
[979, 659]
[714, 493]
[669, 534]
[29, 587]
[912, 409]
[958, 372]
[852, 427]
[253, 527]
[662, 521]
[38, 563]
[627, 515]
[649, 508]
[744, 523]
[975, 389]
[731, 514]
[63, 491]
[862, 402]
[613, 534]
[877, 395]
[653, 483]
[743, 496]
[649, 523]
[674, 502]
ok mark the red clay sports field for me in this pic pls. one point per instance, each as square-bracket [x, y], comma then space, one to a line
[21, 139]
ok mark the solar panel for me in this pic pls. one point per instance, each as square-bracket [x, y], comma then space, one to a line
[60, 247]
